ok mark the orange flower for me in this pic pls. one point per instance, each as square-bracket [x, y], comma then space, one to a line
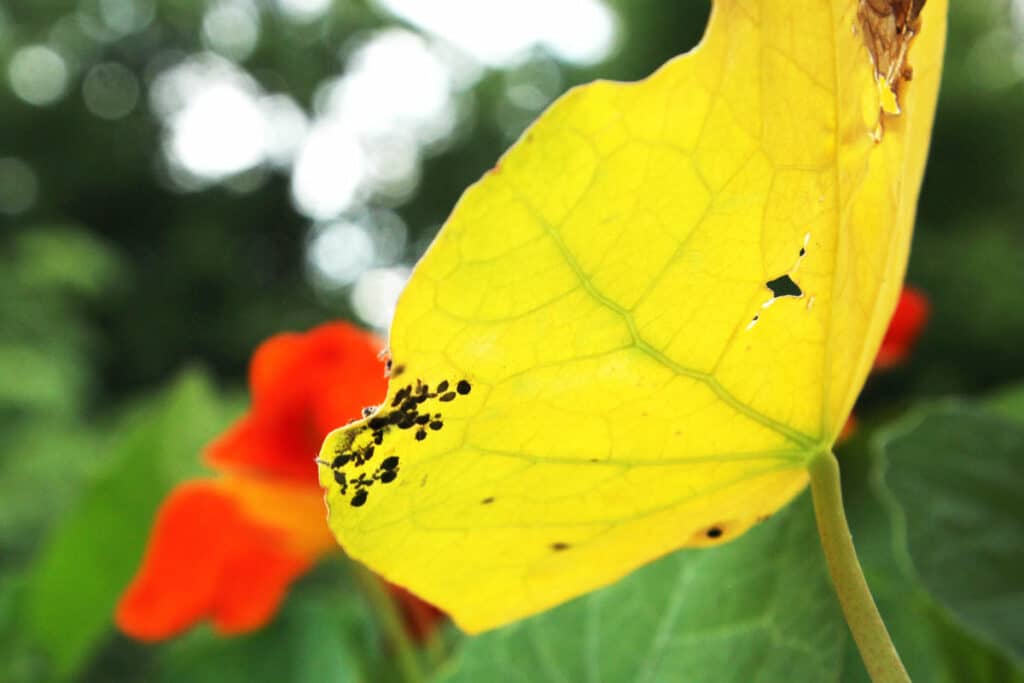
[227, 548]
[907, 323]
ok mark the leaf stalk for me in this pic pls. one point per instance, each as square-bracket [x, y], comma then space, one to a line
[390, 620]
[880, 657]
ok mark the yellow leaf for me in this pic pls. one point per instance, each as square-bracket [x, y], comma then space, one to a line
[635, 332]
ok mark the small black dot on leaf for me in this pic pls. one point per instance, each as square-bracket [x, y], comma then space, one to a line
[560, 546]
[462, 387]
[359, 499]
[714, 532]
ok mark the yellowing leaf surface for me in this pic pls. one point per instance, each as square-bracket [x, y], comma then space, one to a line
[635, 332]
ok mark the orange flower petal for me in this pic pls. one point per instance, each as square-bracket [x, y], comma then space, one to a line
[295, 510]
[257, 579]
[207, 559]
[907, 323]
[303, 386]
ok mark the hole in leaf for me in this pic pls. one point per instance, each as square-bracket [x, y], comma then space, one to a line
[784, 286]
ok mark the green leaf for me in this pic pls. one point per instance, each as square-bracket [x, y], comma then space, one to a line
[307, 643]
[952, 477]
[933, 647]
[41, 443]
[94, 552]
[758, 609]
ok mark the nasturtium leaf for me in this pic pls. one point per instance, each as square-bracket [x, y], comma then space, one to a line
[634, 333]
[952, 476]
[932, 646]
[289, 649]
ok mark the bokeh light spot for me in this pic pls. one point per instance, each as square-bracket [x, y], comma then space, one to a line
[339, 253]
[38, 75]
[19, 187]
[375, 295]
[232, 28]
[500, 33]
[287, 126]
[373, 124]
[220, 133]
[127, 16]
[328, 171]
[110, 90]
[215, 119]
[303, 10]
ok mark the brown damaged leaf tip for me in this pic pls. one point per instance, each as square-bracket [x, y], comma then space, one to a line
[889, 26]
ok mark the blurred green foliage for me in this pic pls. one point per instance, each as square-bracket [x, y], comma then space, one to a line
[150, 452]
[115, 280]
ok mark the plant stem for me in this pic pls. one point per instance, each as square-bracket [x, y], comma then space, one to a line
[435, 649]
[383, 606]
[876, 649]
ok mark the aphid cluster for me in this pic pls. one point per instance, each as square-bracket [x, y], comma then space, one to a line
[406, 411]
[386, 473]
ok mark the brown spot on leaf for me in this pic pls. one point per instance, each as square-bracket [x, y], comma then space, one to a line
[888, 27]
